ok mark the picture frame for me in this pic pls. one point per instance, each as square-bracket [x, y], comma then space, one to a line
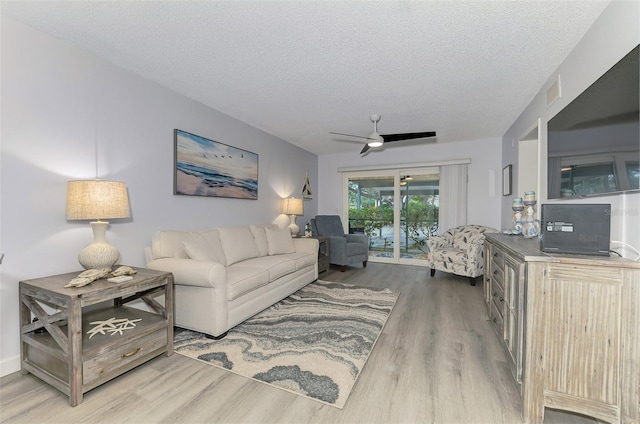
[204, 167]
[506, 180]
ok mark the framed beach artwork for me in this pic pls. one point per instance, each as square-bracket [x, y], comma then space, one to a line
[208, 168]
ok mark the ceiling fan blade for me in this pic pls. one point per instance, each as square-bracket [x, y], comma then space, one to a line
[365, 149]
[407, 136]
[351, 135]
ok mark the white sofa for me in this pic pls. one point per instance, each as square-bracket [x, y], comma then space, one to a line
[223, 276]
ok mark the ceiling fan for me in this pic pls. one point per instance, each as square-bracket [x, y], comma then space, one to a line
[377, 140]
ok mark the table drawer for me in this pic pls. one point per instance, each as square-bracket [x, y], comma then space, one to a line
[110, 364]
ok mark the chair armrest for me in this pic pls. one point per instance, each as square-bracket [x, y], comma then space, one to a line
[189, 272]
[437, 242]
[337, 248]
[475, 248]
[357, 238]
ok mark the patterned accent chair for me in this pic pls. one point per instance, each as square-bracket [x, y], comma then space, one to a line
[459, 251]
[344, 248]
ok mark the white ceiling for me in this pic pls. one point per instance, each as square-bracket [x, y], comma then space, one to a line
[299, 69]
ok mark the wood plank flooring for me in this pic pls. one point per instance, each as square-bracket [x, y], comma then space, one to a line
[437, 361]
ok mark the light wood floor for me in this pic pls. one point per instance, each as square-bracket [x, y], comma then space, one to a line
[437, 361]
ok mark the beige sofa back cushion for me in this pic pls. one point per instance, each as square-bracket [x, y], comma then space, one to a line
[279, 241]
[260, 237]
[169, 244]
[205, 246]
[202, 245]
[238, 244]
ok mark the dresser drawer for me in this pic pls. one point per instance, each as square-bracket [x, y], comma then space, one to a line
[497, 299]
[497, 276]
[497, 320]
[497, 257]
[104, 366]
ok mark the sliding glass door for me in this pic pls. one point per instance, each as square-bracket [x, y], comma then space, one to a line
[397, 209]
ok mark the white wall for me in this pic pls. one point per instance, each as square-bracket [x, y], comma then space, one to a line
[58, 103]
[485, 173]
[610, 38]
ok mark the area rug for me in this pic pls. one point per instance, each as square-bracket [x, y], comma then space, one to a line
[313, 343]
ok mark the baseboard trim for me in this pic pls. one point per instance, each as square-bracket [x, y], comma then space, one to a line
[9, 365]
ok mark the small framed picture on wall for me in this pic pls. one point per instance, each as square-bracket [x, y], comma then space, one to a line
[506, 180]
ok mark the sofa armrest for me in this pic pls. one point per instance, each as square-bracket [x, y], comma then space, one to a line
[188, 272]
[306, 245]
[148, 254]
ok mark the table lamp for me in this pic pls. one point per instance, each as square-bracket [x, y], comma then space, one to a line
[97, 199]
[293, 207]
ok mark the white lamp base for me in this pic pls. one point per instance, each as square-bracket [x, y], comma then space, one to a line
[99, 254]
[295, 230]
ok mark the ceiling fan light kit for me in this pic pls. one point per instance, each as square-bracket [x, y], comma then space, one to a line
[377, 140]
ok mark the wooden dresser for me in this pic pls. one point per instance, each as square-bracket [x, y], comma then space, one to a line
[570, 326]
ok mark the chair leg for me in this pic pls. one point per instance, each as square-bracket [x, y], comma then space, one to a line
[433, 272]
[472, 280]
[364, 264]
[343, 268]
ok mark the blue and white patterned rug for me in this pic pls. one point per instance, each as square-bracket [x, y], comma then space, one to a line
[313, 343]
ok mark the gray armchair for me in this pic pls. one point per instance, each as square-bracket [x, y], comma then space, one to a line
[343, 248]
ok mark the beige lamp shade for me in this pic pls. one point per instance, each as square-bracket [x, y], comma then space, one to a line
[97, 199]
[293, 206]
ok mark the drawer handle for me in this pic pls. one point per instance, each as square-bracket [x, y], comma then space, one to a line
[495, 320]
[495, 272]
[127, 355]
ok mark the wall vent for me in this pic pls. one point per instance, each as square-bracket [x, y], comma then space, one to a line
[553, 93]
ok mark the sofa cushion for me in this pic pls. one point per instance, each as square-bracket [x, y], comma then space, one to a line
[199, 249]
[260, 237]
[242, 279]
[213, 239]
[169, 244]
[238, 244]
[279, 241]
[276, 266]
[302, 259]
[205, 247]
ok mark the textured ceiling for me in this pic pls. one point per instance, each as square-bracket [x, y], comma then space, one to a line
[299, 69]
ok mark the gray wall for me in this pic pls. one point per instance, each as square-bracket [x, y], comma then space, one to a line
[60, 104]
[609, 39]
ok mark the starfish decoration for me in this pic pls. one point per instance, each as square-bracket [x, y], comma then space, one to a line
[112, 326]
